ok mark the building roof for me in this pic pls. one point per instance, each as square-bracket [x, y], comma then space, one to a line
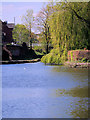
[10, 25]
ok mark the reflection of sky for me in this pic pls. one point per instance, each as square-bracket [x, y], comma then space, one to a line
[38, 75]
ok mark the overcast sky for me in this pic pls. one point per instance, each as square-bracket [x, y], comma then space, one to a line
[17, 9]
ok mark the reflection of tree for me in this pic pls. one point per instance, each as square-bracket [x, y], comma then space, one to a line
[81, 109]
[79, 74]
[70, 70]
[78, 92]
[78, 108]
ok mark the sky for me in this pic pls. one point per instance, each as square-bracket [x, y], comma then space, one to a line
[11, 10]
[17, 8]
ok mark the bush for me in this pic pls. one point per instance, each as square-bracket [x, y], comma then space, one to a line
[54, 57]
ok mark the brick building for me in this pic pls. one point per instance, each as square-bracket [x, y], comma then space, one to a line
[7, 32]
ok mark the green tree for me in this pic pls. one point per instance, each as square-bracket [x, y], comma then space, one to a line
[69, 29]
[81, 10]
[20, 34]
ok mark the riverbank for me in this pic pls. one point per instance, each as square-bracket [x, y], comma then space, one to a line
[67, 63]
[77, 64]
[72, 64]
[20, 61]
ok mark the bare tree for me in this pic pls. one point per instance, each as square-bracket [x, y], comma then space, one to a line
[28, 20]
[43, 26]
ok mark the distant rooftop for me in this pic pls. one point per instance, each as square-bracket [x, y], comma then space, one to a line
[10, 25]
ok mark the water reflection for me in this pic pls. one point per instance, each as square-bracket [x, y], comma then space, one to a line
[78, 107]
[40, 91]
[79, 102]
[70, 70]
[75, 92]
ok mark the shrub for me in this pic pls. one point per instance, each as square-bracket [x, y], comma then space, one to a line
[53, 57]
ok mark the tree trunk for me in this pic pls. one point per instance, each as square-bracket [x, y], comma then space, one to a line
[47, 48]
[30, 43]
[30, 39]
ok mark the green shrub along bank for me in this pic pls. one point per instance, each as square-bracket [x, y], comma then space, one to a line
[56, 56]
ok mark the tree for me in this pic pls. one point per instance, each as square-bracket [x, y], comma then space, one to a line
[28, 20]
[20, 34]
[43, 26]
[69, 30]
[81, 11]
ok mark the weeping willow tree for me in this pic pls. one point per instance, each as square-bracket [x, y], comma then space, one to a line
[69, 28]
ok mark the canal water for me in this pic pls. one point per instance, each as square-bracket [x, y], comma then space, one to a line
[34, 90]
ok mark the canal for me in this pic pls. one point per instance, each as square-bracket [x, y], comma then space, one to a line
[35, 90]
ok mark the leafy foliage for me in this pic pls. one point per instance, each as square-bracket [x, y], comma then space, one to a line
[20, 34]
[69, 29]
